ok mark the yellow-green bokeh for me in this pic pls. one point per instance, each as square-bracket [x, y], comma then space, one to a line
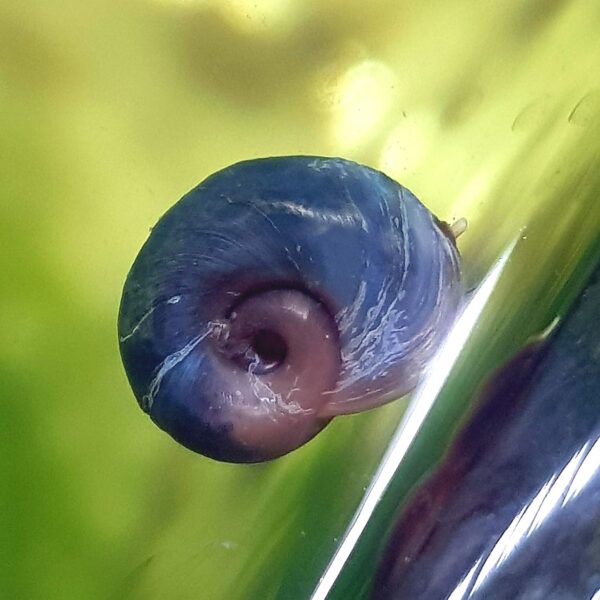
[111, 110]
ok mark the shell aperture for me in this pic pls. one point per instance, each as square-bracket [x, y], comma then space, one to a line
[279, 293]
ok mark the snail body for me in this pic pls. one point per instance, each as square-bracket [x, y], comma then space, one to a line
[279, 293]
[512, 510]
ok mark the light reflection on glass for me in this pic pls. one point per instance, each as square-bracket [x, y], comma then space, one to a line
[558, 491]
[361, 101]
[423, 399]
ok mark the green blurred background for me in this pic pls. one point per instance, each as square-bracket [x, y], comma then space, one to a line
[111, 110]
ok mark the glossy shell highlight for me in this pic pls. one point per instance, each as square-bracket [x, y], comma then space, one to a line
[279, 293]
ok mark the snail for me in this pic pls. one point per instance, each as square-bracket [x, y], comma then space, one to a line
[512, 510]
[279, 293]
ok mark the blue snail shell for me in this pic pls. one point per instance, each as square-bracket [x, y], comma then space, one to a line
[279, 293]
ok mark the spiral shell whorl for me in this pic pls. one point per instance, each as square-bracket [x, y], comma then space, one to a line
[337, 240]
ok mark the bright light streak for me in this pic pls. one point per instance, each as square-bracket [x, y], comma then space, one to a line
[421, 403]
[558, 491]
[585, 472]
[462, 589]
